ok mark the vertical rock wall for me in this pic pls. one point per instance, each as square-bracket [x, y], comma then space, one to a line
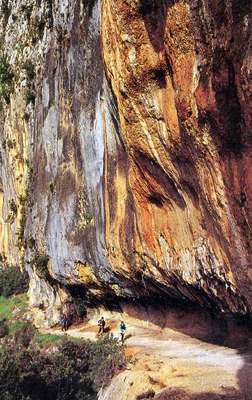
[180, 73]
[125, 148]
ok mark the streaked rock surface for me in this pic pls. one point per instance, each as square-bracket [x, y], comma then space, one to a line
[126, 149]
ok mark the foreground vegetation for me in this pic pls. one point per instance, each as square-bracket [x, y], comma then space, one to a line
[13, 319]
[71, 370]
[12, 313]
[36, 366]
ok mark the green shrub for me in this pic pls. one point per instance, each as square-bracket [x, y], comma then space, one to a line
[16, 324]
[7, 305]
[70, 373]
[106, 360]
[24, 335]
[6, 79]
[48, 338]
[12, 281]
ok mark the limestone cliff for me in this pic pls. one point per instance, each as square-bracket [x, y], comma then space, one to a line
[126, 149]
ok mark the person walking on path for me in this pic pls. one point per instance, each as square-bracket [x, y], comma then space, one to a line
[101, 325]
[122, 329]
[66, 322]
[63, 322]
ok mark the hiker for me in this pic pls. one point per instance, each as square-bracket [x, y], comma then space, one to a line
[122, 329]
[101, 324]
[62, 322]
[66, 323]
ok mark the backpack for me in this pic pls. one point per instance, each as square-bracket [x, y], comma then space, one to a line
[122, 327]
[101, 322]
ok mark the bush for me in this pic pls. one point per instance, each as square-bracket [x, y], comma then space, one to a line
[4, 329]
[6, 79]
[24, 335]
[12, 281]
[70, 373]
[106, 360]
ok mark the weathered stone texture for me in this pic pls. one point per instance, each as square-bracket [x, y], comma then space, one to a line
[135, 159]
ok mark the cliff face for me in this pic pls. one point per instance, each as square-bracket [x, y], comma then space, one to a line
[126, 149]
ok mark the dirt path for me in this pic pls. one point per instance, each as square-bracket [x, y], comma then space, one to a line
[168, 358]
